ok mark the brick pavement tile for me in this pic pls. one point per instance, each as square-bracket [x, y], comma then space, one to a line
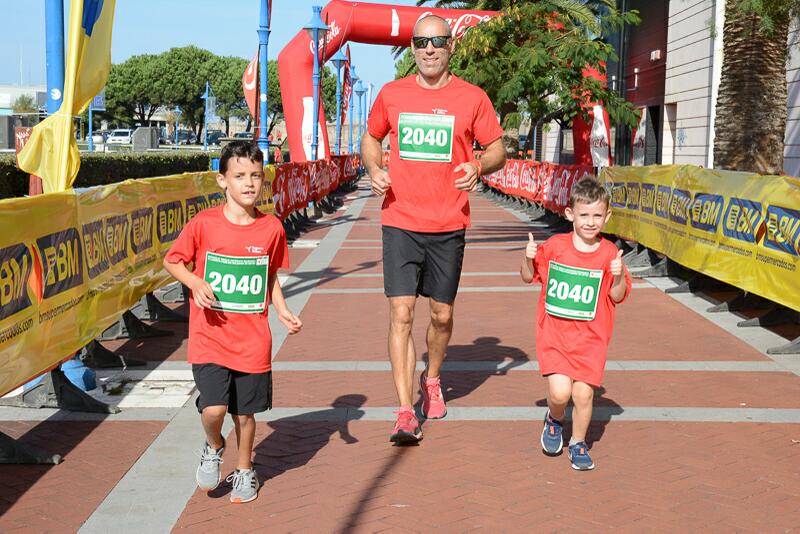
[627, 491]
[297, 256]
[349, 261]
[526, 388]
[60, 498]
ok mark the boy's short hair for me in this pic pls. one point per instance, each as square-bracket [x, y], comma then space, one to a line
[239, 149]
[588, 190]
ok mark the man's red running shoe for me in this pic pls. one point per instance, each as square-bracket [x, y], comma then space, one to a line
[433, 406]
[406, 430]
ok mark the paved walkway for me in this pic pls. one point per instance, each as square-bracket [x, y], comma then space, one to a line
[697, 429]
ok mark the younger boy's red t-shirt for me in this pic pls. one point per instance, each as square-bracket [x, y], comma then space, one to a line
[238, 341]
[575, 348]
[431, 132]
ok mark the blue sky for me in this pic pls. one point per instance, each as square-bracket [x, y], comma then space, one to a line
[152, 26]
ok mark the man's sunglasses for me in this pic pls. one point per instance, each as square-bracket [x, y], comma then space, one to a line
[440, 41]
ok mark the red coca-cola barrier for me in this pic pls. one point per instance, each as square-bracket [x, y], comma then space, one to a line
[547, 184]
[297, 184]
[360, 22]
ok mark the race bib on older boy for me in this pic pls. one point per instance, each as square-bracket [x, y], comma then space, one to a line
[572, 292]
[239, 282]
[425, 137]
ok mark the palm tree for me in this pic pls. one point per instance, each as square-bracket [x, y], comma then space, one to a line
[751, 107]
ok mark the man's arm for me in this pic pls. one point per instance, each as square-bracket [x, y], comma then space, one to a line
[372, 157]
[493, 158]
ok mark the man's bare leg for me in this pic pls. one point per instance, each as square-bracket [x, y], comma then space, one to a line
[401, 346]
[440, 330]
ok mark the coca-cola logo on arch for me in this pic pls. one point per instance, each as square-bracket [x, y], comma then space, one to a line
[461, 24]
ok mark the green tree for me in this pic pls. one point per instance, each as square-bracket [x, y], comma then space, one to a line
[226, 85]
[186, 70]
[134, 90]
[24, 104]
[751, 108]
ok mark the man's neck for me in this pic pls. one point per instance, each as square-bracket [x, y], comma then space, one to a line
[434, 83]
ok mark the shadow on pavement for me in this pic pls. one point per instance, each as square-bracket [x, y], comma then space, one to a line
[294, 441]
[457, 384]
[604, 409]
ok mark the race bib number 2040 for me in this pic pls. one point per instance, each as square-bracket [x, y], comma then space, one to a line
[425, 137]
[239, 282]
[572, 292]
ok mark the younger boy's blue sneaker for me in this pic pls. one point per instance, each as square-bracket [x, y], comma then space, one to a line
[551, 435]
[580, 457]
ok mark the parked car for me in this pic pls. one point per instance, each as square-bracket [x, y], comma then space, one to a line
[99, 137]
[122, 136]
[243, 135]
[186, 137]
[214, 136]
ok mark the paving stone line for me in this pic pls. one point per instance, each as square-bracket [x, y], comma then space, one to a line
[174, 444]
[184, 373]
[535, 413]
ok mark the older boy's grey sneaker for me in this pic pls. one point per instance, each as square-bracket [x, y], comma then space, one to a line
[208, 474]
[245, 485]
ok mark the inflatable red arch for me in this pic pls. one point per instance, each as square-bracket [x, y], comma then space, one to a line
[360, 22]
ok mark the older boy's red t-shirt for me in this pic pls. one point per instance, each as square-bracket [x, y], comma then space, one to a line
[567, 346]
[238, 341]
[423, 197]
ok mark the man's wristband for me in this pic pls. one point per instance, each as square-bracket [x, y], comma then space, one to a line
[477, 164]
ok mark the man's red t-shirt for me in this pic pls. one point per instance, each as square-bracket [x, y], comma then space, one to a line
[572, 347]
[431, 133]
[238, 341]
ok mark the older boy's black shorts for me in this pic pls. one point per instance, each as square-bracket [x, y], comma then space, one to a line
[422, 263]
[242, 393]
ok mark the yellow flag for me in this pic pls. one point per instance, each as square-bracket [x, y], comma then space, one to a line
[52, 152]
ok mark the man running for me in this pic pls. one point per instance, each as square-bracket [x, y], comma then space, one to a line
[432, 119]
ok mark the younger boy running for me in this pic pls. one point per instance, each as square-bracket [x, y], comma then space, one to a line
[583, 279]
[236, 251]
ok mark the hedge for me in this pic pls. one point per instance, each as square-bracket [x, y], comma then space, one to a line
[107, 168]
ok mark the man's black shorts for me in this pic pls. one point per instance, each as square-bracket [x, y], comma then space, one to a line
[421, 263]
[242, 393]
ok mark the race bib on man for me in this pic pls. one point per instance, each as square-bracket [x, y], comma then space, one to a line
[239, 282]
[424, 137]
[572, 292]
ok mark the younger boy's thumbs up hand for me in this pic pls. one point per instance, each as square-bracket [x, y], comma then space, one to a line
[616, 264]
[530, 249]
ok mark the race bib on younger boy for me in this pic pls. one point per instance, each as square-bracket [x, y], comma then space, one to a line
[424, 137]
[239, 282]
[572, 292]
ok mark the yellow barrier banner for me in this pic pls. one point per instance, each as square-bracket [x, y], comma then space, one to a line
[740, 228]
[71, 263]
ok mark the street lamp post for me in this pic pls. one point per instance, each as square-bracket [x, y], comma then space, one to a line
[205, 119]
[338, 60]
[313, 27]
[263, 44]
[353, 80]
[177, 112]
[91, 141]
[360, 93]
